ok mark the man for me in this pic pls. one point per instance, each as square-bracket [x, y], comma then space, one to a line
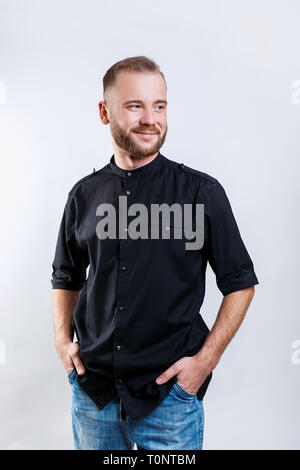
[144, 356]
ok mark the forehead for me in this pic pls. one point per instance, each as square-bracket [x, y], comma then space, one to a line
[145, 86]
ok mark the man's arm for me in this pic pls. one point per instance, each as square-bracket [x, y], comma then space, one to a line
[64, 302]
[192, 371]
[235, 278]
[231, 314]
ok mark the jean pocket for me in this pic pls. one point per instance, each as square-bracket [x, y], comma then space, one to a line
[72, 375]
[179, 391]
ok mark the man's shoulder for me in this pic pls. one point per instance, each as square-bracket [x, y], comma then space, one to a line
[193, 172]
[87, 178]
[199, 174]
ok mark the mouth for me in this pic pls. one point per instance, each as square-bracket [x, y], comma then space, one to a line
[145, 133]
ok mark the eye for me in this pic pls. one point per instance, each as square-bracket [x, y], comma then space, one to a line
[131, 106]
[161, 106]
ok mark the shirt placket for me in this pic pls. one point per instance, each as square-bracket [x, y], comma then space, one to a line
[122, 298]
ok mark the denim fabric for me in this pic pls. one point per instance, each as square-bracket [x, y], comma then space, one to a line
[176, 424]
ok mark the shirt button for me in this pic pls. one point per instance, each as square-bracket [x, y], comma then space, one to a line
[128, 173]
[121, 307]
[119, 347]
[119, 381]
[123, 268]
[128, 192]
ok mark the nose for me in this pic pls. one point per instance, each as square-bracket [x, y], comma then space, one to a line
[147, 118]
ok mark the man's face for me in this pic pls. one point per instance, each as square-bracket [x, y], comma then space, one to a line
[137, 113]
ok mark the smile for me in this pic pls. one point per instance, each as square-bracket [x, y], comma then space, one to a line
[146, 133]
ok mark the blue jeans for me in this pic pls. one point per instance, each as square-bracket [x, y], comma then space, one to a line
[177, 423]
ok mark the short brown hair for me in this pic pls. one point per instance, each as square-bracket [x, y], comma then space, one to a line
[138, 63]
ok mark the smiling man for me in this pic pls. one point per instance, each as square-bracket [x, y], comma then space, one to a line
[144, 356]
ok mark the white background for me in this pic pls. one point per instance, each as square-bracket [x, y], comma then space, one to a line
[230, 67]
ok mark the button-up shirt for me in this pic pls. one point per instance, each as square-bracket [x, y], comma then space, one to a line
[139, 306]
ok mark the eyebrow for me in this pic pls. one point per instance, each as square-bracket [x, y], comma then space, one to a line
[140, 101]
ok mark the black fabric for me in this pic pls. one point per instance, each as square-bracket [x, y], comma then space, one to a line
[138, 311]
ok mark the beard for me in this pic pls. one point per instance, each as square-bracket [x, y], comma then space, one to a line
[132, 146]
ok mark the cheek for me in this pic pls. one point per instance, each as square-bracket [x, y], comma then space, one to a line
[162, 123]
[130, 120]
[124, 121]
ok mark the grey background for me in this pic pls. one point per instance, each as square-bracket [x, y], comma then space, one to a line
[230, 67]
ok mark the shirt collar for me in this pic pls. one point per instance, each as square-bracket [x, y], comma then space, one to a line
[155, 163]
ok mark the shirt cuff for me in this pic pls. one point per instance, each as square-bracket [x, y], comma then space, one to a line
[63, 284]
[238, 281]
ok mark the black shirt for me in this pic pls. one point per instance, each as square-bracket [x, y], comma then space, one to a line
[138, 311]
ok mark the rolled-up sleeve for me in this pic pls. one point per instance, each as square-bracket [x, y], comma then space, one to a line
[226, 252]
[70, 260]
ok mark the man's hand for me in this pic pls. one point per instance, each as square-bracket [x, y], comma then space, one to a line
[64, 302]
[69, 354]
[190, 373]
